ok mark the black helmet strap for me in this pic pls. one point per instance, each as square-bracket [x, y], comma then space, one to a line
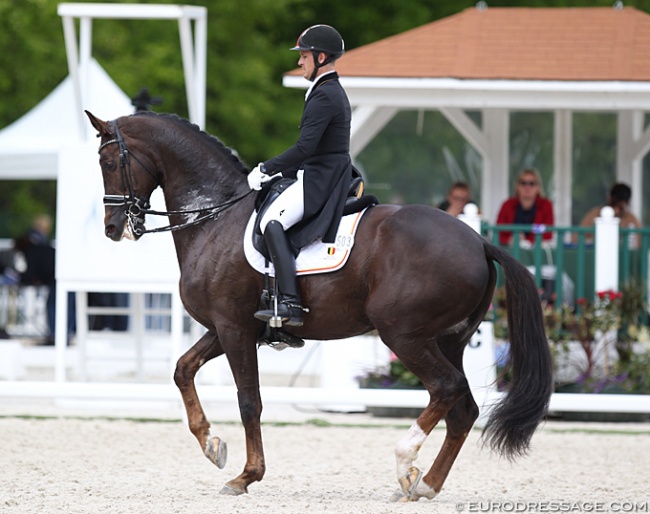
[317, 64]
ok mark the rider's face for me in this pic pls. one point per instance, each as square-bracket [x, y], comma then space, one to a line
[306, 62]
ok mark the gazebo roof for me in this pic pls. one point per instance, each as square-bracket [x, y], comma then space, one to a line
[590, 43]
[510, 57]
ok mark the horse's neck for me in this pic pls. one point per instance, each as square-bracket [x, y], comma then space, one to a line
[191, 186]
[197, 236]
[198, 175]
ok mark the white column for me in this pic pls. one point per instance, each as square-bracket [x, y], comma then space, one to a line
[496, 167]
[606, 248]
[492, 142]
[631, 147]
[72, 51]
[479, 363]
[562, 167]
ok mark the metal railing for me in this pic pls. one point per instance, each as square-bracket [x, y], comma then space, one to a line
[571, 253]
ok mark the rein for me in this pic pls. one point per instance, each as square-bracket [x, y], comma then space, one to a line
[138, 206]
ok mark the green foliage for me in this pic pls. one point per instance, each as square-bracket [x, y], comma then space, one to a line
[21, 201]
[634, 372]
[32, 56]
[589, 325]
[415, 159]
[531, 145]
[594, 161]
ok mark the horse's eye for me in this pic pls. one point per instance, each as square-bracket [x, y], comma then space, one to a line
[108, 165]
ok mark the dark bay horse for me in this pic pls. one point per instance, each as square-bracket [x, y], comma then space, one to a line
[418, 276]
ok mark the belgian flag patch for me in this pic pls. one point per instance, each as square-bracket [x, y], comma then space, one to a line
[331, 250]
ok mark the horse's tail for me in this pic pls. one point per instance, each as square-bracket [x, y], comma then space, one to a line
[513, 421]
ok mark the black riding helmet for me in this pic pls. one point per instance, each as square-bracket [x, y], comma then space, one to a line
[321, 38]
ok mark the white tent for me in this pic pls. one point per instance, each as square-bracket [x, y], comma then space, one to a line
[29, 147]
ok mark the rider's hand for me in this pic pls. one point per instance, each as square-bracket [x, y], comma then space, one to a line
[256, 178]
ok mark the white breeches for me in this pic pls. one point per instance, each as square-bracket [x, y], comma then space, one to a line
[288, 208]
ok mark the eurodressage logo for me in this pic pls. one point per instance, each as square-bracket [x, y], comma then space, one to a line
[553, 506]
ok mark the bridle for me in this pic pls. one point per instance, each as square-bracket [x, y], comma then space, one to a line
[138, 206]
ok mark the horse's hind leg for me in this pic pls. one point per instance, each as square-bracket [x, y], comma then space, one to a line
[206, 348]
[447, 387]
[459, 419]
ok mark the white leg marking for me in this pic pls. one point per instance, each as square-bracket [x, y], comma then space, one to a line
[424, 491]
[407, 448]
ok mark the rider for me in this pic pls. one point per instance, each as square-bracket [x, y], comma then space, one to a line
[319, 160]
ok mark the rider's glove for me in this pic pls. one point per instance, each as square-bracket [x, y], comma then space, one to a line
[257, 177]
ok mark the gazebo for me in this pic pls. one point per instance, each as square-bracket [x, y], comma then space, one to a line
[498, 60]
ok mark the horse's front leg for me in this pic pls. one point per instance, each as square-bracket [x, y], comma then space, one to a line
[206, 348]
[242, 358]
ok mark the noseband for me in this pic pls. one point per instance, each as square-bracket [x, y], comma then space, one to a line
[138, 206]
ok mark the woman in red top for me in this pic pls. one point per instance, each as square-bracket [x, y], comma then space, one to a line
[527, 207]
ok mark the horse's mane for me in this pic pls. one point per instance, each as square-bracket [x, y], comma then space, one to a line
[215, 141]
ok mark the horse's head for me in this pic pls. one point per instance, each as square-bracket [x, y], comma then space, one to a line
[128, 182]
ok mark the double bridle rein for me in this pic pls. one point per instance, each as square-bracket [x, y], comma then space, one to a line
[138, 206]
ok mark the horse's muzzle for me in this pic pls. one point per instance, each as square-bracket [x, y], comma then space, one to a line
[111, 232]
[123, 225]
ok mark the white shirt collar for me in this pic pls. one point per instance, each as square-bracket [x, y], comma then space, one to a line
[318, 79]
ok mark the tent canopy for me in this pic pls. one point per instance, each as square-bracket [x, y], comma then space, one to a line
[29, 147]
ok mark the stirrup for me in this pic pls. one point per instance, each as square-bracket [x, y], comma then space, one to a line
[283, 312]
[279, 339]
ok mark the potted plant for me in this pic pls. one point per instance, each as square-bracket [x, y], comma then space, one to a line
[597, 347]
[393, 375]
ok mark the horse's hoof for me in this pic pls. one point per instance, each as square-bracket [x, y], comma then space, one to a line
[409, 484]
[216, 451]
[398, 497]
[230, 491]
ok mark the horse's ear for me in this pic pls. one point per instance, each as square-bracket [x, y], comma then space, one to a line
[97, 123]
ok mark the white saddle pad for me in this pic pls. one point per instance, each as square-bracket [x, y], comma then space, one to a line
[318, 257]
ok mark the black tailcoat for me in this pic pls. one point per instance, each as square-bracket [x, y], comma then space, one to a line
[323, 151]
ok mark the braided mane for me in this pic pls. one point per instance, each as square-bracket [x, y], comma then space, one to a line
[215, 141]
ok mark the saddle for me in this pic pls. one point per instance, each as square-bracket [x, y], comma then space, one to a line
[355, 202]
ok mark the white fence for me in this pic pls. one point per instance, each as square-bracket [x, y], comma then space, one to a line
[110, 366]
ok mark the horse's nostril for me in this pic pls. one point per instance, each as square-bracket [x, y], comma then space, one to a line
[109, 230]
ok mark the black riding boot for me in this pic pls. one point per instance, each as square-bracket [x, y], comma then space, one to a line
[286, 285]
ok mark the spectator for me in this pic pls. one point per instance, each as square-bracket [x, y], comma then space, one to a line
[527, 207]
[458, 196]
[38, 254]
[619, 200]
